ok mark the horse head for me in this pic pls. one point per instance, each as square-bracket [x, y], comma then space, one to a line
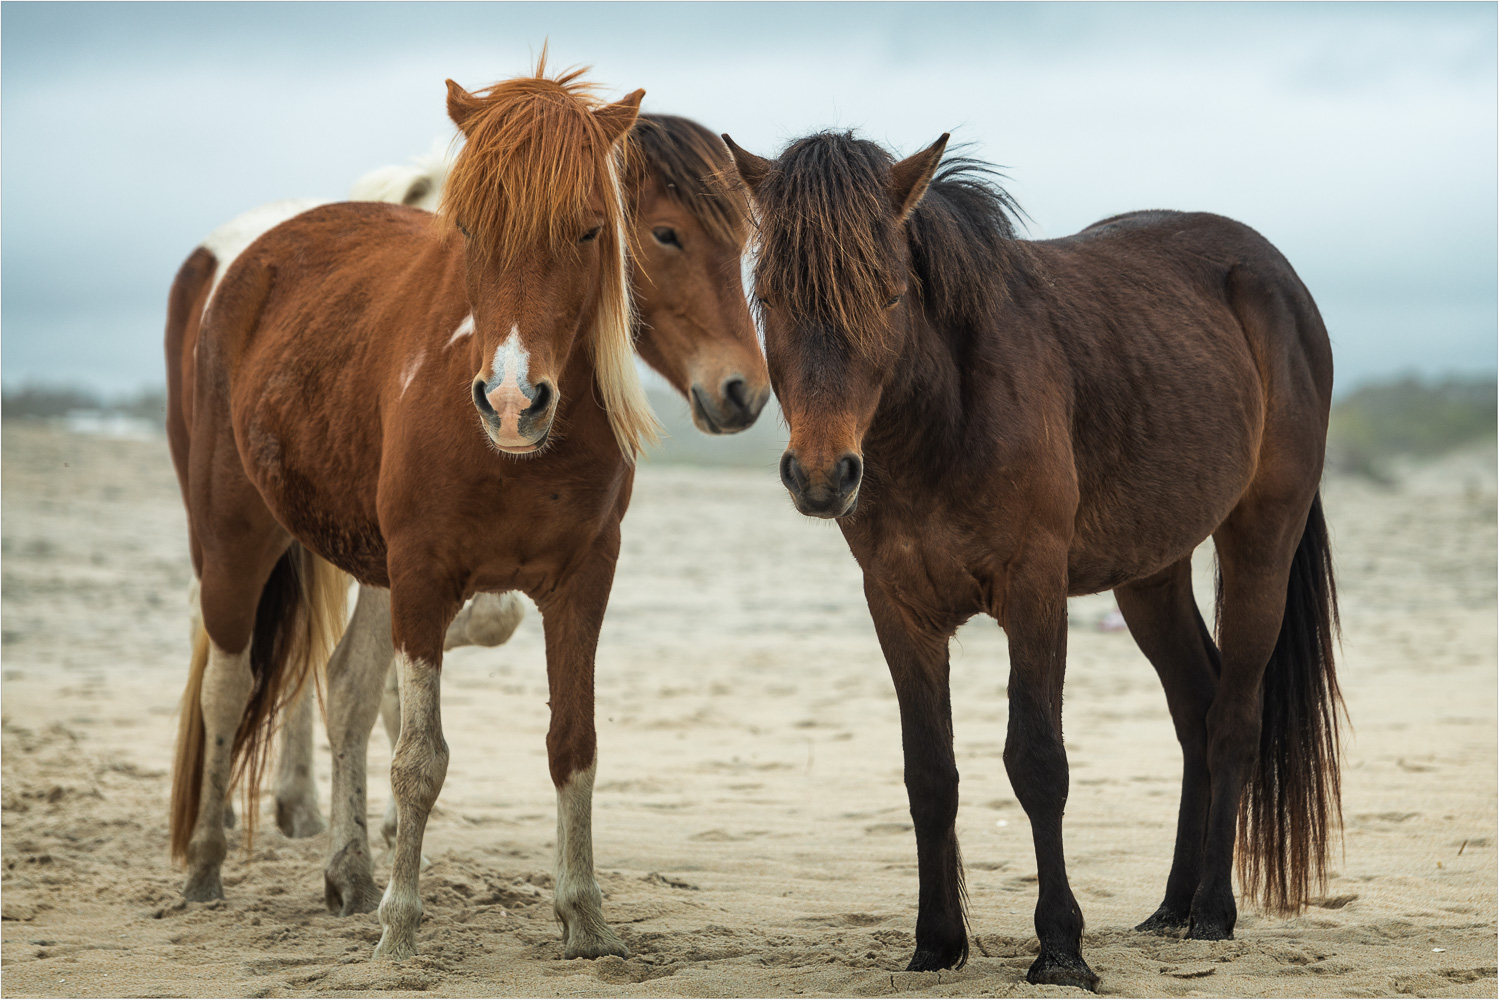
[536, 195]
[691, 223]
[832, 272]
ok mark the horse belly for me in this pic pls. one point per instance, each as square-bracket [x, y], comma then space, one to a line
[317, 477]
[1163, 490]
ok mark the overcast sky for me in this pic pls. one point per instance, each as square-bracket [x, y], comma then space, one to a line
[1360, 139]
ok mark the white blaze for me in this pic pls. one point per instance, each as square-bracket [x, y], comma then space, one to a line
[510, 364]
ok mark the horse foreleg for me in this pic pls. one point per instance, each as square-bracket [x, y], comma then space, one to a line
[918, 662]
[572, 617]
[390, 713]
[419, 617]
[356, 673]
[297, 812]
[1036, 761]
[1163, 618]
[487, 620]
[227, 683]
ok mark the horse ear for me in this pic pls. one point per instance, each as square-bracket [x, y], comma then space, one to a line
[909, 178]
[752, 169]
[461, 106]
[617, 118]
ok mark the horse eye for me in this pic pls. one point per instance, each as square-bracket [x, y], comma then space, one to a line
[894, 299]
[764, 301]
[591, 235]
[464, 230]
[666, 236]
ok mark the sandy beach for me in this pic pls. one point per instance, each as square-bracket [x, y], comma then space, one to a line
[750, 823]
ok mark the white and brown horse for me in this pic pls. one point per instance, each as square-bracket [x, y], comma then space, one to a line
[433, 414]
[690, 221]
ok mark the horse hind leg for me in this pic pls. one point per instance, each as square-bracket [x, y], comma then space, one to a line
[1163, 618]
[355, 674]
[223, 697]
[1272, 733]
[297, 812]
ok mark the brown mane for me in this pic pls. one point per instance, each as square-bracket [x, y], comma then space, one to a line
[535, 154]
[694, 166]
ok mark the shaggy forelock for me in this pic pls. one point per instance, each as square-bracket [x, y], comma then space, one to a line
[828, 238]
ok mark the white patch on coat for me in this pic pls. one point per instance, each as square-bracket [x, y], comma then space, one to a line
[465, 329]
[232, 238]
[412, 367]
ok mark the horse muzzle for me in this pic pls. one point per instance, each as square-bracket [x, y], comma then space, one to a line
[831, 492]
[729, 410]
[516, 418]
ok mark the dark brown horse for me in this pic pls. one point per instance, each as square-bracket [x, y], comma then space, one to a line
[434, 413]
[997, 424]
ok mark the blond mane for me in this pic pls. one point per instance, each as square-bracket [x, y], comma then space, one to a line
[535, 154]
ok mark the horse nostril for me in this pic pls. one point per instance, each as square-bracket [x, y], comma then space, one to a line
[850, 469]
[541, 401]
[737, 393]
[792, 476]
[481, 400]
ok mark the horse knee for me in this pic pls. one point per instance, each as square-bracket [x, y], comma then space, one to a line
[418, 769]
[933, 793]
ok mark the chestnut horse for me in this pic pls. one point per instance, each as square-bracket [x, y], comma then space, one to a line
[690, 221]
[436, 415]
[997, 424]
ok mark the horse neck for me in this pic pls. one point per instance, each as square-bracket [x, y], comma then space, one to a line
[922, 413]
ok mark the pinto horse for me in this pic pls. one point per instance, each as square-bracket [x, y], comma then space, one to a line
[690, 221]
[997, 424]
[436, 414]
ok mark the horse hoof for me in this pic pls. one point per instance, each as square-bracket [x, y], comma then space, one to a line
[1210, 930]
[350, 898]
[395, 950]
[298, 819]
[1164, 921]
[595, 944]
[933, 959]
[1062, 970]
[203, 886]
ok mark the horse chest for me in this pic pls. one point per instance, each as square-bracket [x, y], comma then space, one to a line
[933, 563]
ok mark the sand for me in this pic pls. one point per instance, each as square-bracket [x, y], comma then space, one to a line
[751, 827]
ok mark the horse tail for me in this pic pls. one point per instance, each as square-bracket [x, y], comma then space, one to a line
[298, 621]
[187, 769]
[1292, 804]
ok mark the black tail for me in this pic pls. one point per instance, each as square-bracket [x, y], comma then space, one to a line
[1292, 804]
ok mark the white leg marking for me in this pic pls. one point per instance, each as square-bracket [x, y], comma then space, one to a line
[416, 776]
[227, 683]
[390, 712]
[356, 675]
[297, 812]
[465, 329]
[579, 903]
